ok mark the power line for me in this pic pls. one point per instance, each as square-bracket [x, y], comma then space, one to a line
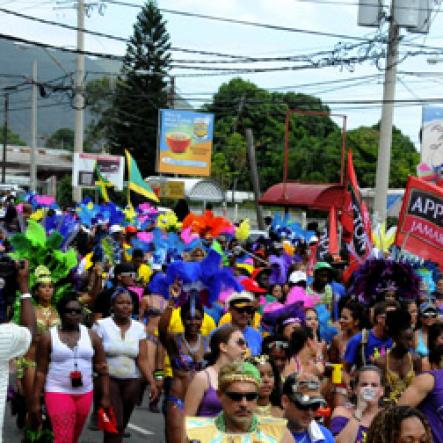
[235, 58]
[313, 64]
[244, 22]
[270, 26]
[59, 48]
[344, 3]
[110, 36]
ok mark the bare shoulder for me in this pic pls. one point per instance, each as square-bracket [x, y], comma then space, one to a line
[342, 411]
[424, 381]
[94, 337]
[200, 380]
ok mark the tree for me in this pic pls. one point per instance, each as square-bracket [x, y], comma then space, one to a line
[364, 144]
[141, 89]
[314, 141]
[63, 138]
[99, 94]
[12, 138]
[64, 191]
[240, 104]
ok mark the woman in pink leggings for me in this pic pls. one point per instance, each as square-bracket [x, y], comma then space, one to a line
[66, 356]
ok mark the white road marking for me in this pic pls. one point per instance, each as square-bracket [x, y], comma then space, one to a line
[139, 429]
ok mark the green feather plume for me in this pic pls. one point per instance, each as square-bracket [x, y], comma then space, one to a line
[34, 246]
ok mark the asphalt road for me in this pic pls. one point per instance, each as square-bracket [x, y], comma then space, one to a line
[144, 427]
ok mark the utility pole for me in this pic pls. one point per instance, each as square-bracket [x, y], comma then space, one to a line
[5, 136]
[34, 128]
[79, 90]
[254, 176]
[171, 92]
[384, 148]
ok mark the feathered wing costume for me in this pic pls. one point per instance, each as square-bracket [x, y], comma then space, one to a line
[377, 276]
[208, 223]
[206, 277]
[39, 249]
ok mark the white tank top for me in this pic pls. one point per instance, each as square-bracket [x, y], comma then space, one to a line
[64, 360]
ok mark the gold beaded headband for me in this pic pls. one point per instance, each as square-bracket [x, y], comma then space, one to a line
[241, 372]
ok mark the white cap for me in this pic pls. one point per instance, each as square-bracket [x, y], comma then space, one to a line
[115, 228]
[297, 276]
[238, 297]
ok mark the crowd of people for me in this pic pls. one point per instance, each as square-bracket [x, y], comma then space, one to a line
[232, 339]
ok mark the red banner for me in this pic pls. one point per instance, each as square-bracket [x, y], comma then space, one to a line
[420, 226]
[355, 217]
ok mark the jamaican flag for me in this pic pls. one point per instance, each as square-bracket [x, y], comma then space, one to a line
[103, 184]
[138, 189]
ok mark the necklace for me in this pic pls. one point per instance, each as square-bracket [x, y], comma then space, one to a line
[264, 410]
[192, 349]
[45, 312]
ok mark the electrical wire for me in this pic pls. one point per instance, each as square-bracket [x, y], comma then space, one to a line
[360, 3]
[110, 36]
[244, 22]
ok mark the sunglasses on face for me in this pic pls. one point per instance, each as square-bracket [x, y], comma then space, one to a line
[247, 310]
[73, 311]
[241, 342]
[307, 407]
[128, 274]
[279, 344]
[430, 315]
[239, 396]
[308, 384]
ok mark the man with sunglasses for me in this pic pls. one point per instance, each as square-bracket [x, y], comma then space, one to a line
[241, 308]
[300, 400]
[238, 386]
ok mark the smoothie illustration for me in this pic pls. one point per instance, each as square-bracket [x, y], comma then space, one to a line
[178, 142]
[200, 127]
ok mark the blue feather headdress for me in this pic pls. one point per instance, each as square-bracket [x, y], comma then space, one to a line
[206, 276]
[290, 230]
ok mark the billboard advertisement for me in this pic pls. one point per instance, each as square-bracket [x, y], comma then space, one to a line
[185, 142]
[420, 226]
[431, 161]
[110, 166]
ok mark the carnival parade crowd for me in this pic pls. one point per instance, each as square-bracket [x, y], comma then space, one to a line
[233, 338]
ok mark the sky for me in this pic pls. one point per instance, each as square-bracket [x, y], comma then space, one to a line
[332, 16]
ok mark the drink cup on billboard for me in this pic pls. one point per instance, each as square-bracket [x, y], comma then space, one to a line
[178, 142]
[201, 126]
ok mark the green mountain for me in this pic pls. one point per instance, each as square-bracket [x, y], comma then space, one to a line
[54, 111]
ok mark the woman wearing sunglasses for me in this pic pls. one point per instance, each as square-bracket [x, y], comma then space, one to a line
[66, 357]
[227, 345]
[124, 341]
[428, 316]
[277, 348]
